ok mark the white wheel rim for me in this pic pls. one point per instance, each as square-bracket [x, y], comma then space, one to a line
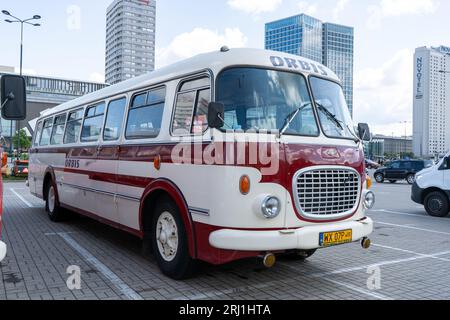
[51, 199]
[167, 236]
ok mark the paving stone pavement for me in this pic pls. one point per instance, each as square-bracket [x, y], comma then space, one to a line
[411, 250]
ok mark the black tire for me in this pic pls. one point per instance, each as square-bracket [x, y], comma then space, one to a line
[379, 178]
[300, 255]
[393, 181]
[411, 178]
[179, 266]
[52, 207]
[437, 204]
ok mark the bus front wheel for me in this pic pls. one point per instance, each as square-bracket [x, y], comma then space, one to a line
[54, 211]
[169, 242]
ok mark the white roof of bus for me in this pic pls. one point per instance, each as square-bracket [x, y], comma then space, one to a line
[216, 61]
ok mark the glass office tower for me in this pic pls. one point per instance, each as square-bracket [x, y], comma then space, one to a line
[327, 43]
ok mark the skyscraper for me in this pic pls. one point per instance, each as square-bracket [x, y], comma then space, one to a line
[431, 123]
[327, 43]
[130, 39]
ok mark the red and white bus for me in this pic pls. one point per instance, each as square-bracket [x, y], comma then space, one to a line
[228, 155]
[13, 107]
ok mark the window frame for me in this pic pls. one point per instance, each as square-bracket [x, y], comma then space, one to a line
[67, 122]
[54, 126]
[38, 131]
[308, 87]
[124, 117]
[181, 82]
[130, 107]
[96, 104]
[52, 118]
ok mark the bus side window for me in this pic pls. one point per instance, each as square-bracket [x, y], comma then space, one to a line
[191, 110]
[37, 134]
[114, 119]
[58, 130]
[93, 123]
[46, 132]
[73, 126]
[145, 115]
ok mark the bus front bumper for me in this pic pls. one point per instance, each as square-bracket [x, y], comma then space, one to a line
[2, 250]
[306, 238]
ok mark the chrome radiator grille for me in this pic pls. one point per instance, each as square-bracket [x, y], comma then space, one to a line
[326, 192]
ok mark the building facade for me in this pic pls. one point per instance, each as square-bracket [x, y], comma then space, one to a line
[380, 146]
[44, 93]
[431, 124]
[327, 43]
[130, 39]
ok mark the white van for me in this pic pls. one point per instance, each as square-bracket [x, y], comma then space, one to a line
[432, 188]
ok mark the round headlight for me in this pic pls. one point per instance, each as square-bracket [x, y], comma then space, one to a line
[271, 207]
[369, 200]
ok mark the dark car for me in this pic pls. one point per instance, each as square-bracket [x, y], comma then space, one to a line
[401, 170]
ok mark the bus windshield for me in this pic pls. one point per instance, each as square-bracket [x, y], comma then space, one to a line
[266, 100]
[332, 109]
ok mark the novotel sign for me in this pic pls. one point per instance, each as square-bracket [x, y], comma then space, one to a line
[419, 76]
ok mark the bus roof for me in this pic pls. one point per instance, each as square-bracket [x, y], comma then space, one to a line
[215, 61]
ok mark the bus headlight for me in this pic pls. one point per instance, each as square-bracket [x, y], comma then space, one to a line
[271, 207]
[369, 200]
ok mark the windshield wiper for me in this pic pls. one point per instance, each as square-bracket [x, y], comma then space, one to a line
[292, 116]
[330, 116]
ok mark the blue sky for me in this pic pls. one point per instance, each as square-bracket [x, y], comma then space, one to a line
[71, 41]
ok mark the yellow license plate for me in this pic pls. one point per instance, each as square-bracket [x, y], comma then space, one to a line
[328, 239]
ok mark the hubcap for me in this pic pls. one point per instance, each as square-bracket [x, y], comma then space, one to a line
[379, 178]
[436, 205]
[167, 236]
[411, 179]
[51, 199]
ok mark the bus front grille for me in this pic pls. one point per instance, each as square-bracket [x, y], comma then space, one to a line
[323, 193]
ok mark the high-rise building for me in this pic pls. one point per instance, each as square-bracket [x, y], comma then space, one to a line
[130, 39]
[431, 124]
[328, 43]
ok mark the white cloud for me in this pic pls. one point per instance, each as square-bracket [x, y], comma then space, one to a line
[392, 8]
[198, 41]
[97, 77]
[307, 8]
[255, 6]
[340, 7]
[384, 95]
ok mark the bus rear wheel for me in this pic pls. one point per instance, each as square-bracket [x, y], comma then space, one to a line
[169, 242]
[54, 211]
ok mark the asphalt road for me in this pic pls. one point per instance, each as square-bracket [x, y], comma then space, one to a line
[409, 259]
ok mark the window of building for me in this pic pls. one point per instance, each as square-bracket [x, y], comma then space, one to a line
[58, 129]
[37, 134]
[145, 115]
[46, 132]
[191, 110]
[93, 123]
[73, 127]
[114, 120]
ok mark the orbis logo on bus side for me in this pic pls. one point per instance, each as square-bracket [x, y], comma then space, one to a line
[70, 163]
[298, 64]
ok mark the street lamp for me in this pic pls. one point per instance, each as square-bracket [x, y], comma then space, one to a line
[14, 19]
[406, 135]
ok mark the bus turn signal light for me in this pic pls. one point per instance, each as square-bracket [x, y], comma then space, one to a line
[244, 185]
[368, 182]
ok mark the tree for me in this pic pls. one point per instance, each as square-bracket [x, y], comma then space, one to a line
[25, 141]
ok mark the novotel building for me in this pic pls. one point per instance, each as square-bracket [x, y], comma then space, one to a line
[431, 123]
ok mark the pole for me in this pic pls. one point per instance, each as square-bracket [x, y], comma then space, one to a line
[21, 72]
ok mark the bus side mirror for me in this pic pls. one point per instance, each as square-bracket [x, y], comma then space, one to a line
[364, 132]
[216, 114]
[13, 97]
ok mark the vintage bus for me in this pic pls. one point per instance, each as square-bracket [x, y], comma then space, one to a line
[13, 107]
[228, 155]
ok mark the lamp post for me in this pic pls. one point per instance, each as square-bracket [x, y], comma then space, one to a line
[406, 136]
[14, 19]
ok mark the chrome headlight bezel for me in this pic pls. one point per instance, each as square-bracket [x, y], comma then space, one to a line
[369, 200]
[269, 209]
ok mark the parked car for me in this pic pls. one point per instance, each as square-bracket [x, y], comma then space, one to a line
[432, 189]
[401, 170]
[20, 168]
